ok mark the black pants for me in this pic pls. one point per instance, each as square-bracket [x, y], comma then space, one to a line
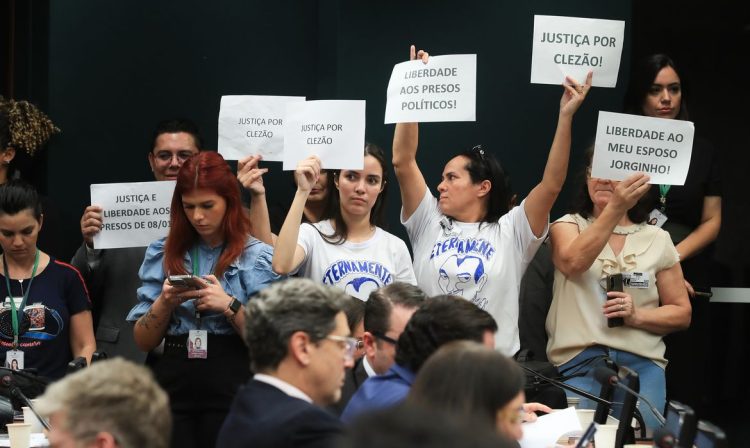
[201, 390]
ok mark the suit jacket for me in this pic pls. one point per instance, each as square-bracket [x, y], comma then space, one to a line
[354, 378]
[112, 286]
[263, 416]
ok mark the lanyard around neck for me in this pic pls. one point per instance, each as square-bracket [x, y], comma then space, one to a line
[663, 190]
[15, 311]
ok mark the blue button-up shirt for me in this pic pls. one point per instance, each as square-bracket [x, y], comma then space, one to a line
[247, 275]
[388, 389]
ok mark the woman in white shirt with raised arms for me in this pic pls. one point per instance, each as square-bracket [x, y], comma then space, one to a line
[347, 249]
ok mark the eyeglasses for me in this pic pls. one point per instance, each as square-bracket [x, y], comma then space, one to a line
[350, 345]
[382, 336]
[166, 156]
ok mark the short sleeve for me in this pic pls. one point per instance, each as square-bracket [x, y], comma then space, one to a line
[76, 295]
[257, 273]
[152, 280]
[426, 214]
[402, 262]
[525, 241]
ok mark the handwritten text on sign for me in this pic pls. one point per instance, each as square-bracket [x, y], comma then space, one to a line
[574, 46]
[626, 144]
[444, 89]
[334, 130]
[134, 214]
[252, 124]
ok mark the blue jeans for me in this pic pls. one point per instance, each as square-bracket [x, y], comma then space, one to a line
[652, 380]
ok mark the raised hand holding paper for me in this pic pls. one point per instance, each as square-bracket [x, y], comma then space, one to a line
[444, 89]
[333, 130]
[133, 214]
[253, 124]
[574, 46]
[626, 144]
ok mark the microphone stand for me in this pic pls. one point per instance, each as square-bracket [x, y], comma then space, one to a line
[568, 387]
[15, 392]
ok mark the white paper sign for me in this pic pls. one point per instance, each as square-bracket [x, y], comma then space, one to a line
[334, 130]
[133, 214]
[253, 124]
[574, 46]
[444, 89]
[626, 144]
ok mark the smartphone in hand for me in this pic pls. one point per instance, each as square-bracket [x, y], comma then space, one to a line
[186, 281]
[614, 283]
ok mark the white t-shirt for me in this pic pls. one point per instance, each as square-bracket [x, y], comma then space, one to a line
[482, 263]
[357, 268]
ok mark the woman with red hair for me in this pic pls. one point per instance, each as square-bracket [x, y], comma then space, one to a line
[209, 240]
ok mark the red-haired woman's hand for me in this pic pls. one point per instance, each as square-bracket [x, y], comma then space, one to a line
[212, 297]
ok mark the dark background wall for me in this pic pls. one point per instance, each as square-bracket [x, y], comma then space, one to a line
[116, 68]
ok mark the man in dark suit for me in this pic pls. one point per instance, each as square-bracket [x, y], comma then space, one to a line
[387, 311]
[299, 344]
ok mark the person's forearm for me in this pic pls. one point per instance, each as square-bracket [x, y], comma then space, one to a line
[556, 169]
[237, 320]
[286, 243]
[405, 142]
[150, 329]
[662, 320]
[699, 238]
[259, 218]
[583, 250]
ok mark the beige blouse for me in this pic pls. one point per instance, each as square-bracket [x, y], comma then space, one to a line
[575, 320]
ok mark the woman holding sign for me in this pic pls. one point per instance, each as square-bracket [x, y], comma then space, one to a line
[47, 323]
[195, 283]
[691, 213]
[618, 288]
[348, 250]
[467, 242]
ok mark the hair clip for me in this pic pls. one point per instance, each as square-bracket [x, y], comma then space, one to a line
[479, 150]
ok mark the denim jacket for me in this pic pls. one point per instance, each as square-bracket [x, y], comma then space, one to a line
[247, 275]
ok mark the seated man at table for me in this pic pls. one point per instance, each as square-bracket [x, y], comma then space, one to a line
[440, 320]
[113, 403]
[299, 343]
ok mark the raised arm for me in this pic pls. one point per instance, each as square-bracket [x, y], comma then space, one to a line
[405, 142]
[251, 178]
[540, 200]
[287, 254]
[573, 252]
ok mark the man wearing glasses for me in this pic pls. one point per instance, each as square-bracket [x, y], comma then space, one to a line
[300, 345]
[387, 311]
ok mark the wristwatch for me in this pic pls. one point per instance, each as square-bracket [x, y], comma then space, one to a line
[234, 306]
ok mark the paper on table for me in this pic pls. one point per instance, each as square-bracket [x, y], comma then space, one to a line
[547, 429]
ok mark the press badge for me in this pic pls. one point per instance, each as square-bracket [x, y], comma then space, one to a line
[636, 280]
[14, 359]
[197, 344]
[657, 218]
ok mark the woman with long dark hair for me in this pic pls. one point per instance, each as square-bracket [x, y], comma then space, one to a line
[349, 249]
[693, 218]
[466, 241]
[208, 239]
[45, 320]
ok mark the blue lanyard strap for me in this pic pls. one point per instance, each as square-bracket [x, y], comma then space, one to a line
[15, 311]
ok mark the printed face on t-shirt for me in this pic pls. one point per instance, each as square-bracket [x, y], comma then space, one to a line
[462, 276]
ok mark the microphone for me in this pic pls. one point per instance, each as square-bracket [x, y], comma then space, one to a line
[608, 376]
[568, 387]
[15, 392]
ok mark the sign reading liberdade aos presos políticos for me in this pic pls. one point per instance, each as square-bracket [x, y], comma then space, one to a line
[572, 46]
[627, 144]
[133, 214]
[253, 124]
[333, 130]
[444, 89]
